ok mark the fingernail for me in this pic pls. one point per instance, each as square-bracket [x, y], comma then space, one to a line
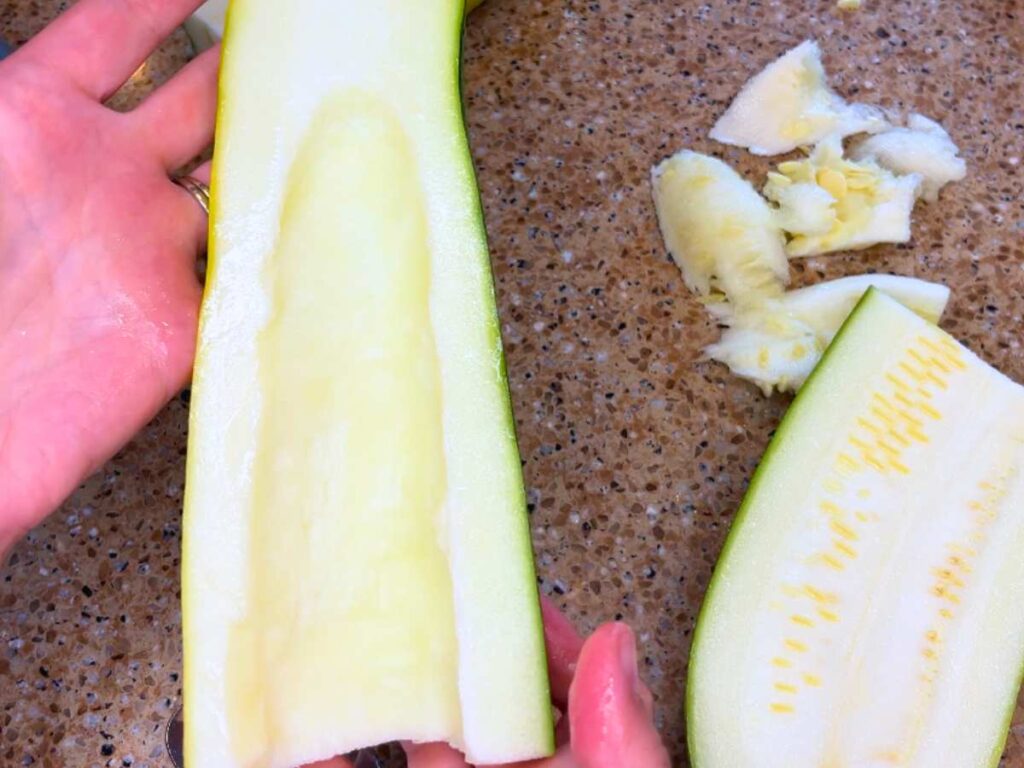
[627, 658]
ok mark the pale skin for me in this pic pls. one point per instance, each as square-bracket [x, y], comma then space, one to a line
[98, 307]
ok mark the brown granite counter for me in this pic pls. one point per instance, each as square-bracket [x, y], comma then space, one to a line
[636, 451]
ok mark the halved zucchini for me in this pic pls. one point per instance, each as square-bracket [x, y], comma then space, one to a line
[357, 563]
[866, 608]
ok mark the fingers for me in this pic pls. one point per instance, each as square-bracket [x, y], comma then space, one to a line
[177, 121]
[610, 708]
[433, 756]
[97, 44]
[563, 647]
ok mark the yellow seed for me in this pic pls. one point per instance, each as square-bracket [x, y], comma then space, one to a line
[919, 358]
[939, 382]
[904, 443]
[821, 597]
[928, 653]
[945, 613]
[828, 615]
[918, 435]
[883, 416]
[948, 352]
[863, 493]
[830, 508]
[958, 562]
[833, 182]
[812, 680]
[844, 530]
[932, 636]
[913, 373]
[887, 448]
[945, 574]
[780, 708]
[861, 516]
[872, 462]
[903, 469]
[797, 618]
[779, 661]
[845, 462]
[785, 688]
[942, 592]
[912, 420]
[904, 399]
[927, 410]
[858, 443]
[900, 383]
[795, 645]
[882, 400]
[924, 393]
[872, 428]
[845, 548]
[832, 562]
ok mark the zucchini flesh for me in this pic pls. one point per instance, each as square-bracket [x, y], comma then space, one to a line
[357, 563]
[866, 608]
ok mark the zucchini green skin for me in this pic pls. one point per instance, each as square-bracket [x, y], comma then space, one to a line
[536, 619]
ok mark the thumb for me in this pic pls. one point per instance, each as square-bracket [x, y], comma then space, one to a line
[610, 708]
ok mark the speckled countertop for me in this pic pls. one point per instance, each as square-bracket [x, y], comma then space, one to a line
[636, 451]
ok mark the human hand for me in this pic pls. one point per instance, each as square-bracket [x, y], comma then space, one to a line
[98, 292]
[607, 721]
